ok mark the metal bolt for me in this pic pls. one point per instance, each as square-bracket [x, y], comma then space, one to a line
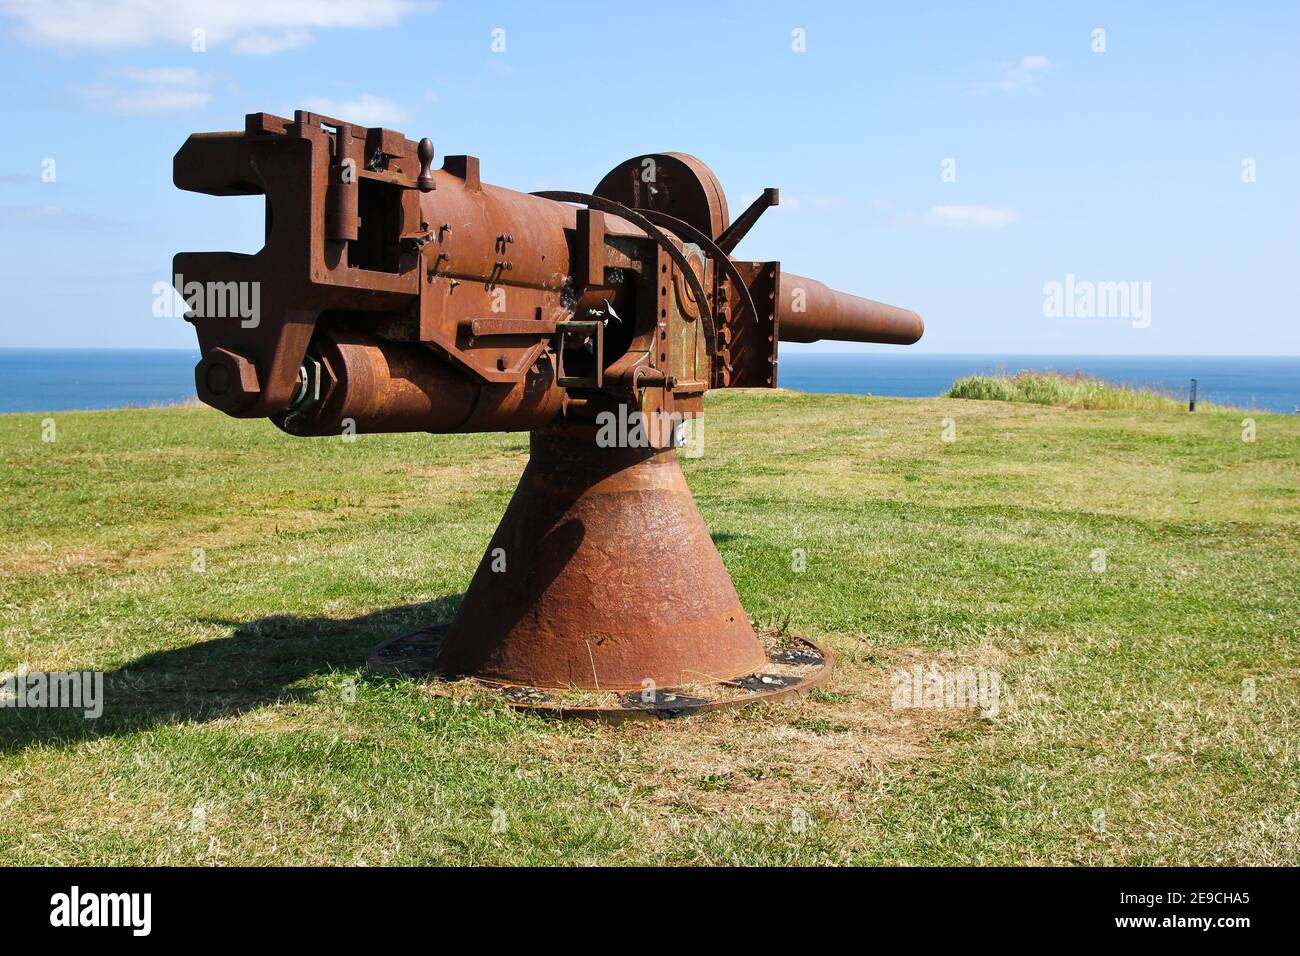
[227, 380]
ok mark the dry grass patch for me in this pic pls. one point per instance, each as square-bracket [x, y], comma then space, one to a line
[825, 752]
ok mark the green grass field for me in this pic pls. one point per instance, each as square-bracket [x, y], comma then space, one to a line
[1132, 577]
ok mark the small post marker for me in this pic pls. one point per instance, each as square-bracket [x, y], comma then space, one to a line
[1191, 399]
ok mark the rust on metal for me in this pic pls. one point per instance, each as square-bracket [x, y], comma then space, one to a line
[392, 295]
[591, 529]
[794, 666]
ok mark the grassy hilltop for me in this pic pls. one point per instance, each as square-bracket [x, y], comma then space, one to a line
[1069, 391]
[1133, 576]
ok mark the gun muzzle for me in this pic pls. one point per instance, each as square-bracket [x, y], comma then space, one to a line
[810, 310]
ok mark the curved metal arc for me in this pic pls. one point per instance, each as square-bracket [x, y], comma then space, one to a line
[709, 246]
[637, 219]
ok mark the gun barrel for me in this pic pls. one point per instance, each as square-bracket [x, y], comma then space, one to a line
[810, 310]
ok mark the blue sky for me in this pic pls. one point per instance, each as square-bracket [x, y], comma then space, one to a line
[1117, 166]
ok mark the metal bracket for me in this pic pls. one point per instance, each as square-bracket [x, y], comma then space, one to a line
[650, 229]
[570, 333]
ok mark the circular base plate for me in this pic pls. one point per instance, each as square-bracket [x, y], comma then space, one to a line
[795, 665]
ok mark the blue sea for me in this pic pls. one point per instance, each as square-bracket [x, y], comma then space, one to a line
[1271, 383]
[40, 380]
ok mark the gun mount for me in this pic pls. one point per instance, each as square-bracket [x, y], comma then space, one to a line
[395, 296]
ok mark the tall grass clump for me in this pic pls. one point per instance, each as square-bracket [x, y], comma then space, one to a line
[1069, 391]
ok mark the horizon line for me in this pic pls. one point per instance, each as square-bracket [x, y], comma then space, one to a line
[908, 352]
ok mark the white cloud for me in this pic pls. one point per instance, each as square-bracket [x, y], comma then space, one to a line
[1021, 77]
[263, 44]
[161, 89]
[160, 100]
[183, 76]
[978, 217]
[33, 215]
[366, 109]
[52, 217]
[261, 26]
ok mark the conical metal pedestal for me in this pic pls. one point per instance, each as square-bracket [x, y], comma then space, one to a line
[602, 577]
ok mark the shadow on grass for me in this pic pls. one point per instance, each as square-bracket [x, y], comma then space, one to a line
[258, 664]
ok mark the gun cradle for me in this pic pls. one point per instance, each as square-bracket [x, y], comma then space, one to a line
[398, 297]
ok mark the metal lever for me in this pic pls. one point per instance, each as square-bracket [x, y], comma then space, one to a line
[732, 235]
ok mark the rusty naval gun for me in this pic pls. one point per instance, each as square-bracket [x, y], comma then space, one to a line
[397, 296]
